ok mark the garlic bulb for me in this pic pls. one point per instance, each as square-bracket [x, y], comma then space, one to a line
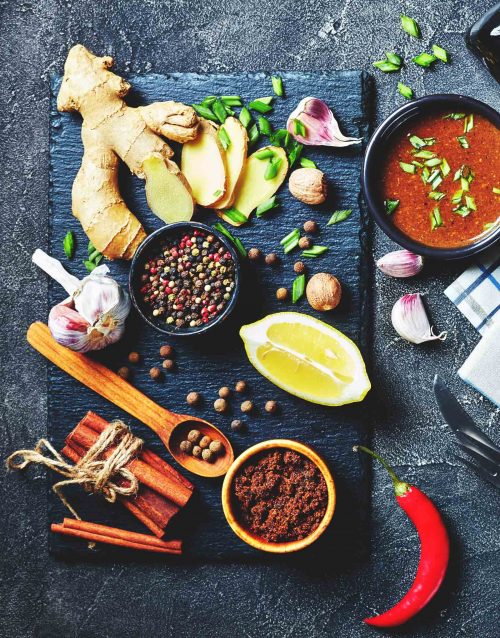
[410, 320]
[321, 127]
[93, 316]
[400, 263]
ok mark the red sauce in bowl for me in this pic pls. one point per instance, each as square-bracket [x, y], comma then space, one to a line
[457, 160]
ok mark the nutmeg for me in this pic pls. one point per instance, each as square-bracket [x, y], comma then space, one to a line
[323, 291]
[308, 185]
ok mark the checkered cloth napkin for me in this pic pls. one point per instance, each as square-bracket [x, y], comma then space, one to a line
[476, 293]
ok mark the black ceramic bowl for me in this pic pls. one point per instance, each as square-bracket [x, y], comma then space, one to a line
[374, 163]
[136, 270]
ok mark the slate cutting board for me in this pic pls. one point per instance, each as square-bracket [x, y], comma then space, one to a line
[205, 364]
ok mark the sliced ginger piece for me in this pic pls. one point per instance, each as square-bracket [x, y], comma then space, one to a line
[236, 154]
[167, 191]
[253, 188]
[203, 165]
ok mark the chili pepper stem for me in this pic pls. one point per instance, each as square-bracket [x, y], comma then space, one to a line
[400, 487]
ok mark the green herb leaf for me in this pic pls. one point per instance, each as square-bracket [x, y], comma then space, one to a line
[231, 100]
[424, 59]
[307, 163]
[470, 202]
[224, 138]
[272, 168]
[394, 58]
[260, 106]
[69, 244]
[440, 53]
[408, 168]
[298, 288]
[469, 123]
[204, 111]
[463, 141]
[89, 265]
[245, 117]
[253, 134]
[454, 116]
[266, 206]
[496, 190]
[315, 251]
[339, 216]
[405, 91]
[390, 205]
[445, 168]
[385, 66]
[277, 86]
[410, 26]
[294, 154]
[437, 195]
[299, 128]
[436, 219]
[265, 125]
[265, 153]
[236, 241]
[235, 216]
[457, 197]
[220, 111]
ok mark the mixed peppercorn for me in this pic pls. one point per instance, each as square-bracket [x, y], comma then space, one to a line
[189, 280]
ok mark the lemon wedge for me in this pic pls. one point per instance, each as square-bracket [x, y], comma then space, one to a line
[307, 358]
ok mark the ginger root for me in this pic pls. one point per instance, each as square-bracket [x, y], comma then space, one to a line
[111, 131]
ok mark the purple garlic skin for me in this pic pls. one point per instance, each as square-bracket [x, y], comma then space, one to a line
[401, 264]
[411, 322]
[321, 127]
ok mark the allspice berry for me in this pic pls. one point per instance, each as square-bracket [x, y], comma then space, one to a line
[224, 392]
[237, 425]
[220, 405]
[134, 357]
[205, 442]
[272, 259]
[168, 364]
[197, 451]
[194, 436]
[254, 254]
[247, 406]
[310, 226]
[305, 243]
[299, 267]
[193, 398]
[240, 386]
[166, 351]
[123, 372]
[281, 294]
[155, 374]
[186, 447]
[323, 291]
[271, 407]
[206, 455]
[216, 447]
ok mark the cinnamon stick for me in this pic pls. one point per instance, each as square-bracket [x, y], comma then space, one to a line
[110, 540]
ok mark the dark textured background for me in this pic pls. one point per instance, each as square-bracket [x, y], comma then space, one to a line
[45, 598]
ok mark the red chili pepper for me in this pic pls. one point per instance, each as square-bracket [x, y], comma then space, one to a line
[434, 551]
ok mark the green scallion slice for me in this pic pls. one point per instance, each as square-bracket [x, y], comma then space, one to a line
[408, 168]
[429, 141]
[340, 216]
[463, 141]
[245, 117]
[469, 123]
[440, 53]
[294, 234]
[253, 134]
[457, 197]
[405, 91]
[417, 164]
[315, 251]
[231, 100]
[464, 184]
[394, 58]
[89, 265]
[209, 100]
[260, 106]
[220, 111]
[299, 128]
[294, 154]
[391, 205]
[410, 26]
[437, 181]
[265, 125]
[470, 202]
[445, 168]
[277, 85]
[217, 193]
[269, 99]
[463, 211]
[424, 154]
[298, 288]
[425, 174]
[235, 216]
[204, 111]
[266, 206]
[433, 175]
[496, 190]
[424, 59]
[435, 161]
[385, 66]
[307, 163]
[454, 116]
[224, 138]
[417, 142]
[287, 248]
[94, 255]
[437, 195]
[236, 241]
[265, 153]
[69, 244]
[489, 225]
[436, 219]
[272, 168]
[281, 137]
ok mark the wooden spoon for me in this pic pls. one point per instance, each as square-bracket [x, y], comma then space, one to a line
[172, 428]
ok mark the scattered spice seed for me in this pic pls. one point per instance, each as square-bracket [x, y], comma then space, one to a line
[277, 85]
[168, 364]
[271, 407]
[205, 442]
[166, 351]
[186, 447]
[155, 374]
[254, 254]
[123, 372]
[241, 386]
[237, 425]
[134, 357]
[299, 267]
[207, 455]
[247, 406]
[193, 398]
[194, 435]
[224, 392]
[310, 226]
[197, 451]
[272, 259]
[220, 405]
[281, 294]
[305, 243]
[216, 447]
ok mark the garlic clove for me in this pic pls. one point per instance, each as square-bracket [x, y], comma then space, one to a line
[410, 320]
[68, 327]
[400, 263]
[321, 127]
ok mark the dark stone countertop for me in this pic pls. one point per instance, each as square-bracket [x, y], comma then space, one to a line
[43, 597]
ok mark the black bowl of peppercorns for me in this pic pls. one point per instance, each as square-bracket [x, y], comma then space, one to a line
[184, 279]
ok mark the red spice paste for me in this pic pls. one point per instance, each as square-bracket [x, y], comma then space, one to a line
[280, 496]
[457, 224]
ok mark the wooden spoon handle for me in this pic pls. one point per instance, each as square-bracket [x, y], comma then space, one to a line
[103, 381]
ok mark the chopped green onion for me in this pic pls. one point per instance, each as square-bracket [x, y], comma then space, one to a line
[277, 85]
[405, 90]
[489, 225]
[437, 181]
[231, 100]
[436, 195]
[408, 168]
[266, 206]
[454, 116]
[260, 106]
[69, 244]
[307, 163]
[204, 111]
[464, 184]
[253, 134]
[445, 168]
[229, 111]
[463, 141]
[417, 164]
[440, 53]
[217, 193]
[394, 58]
[265, 125]
[224, 138]
[281, 137]
[496, 190]
[315, 251]
[220, 111]
[390, 205]
[245, 117]
[385, 66]
[410, 26]
[469, 123]
[435, 161]
[424, 154]
[463, 211]
[298, 288]
[98, 259]
[433, 175]
[457, 197]
[424, 59]
[417, 141]
[235, 216]
[272, 168]
[425, 174]
[89, 265]
[470, 203]
[209, 100]
[265, 153]
[429, 141]
[236, 241]
[339, 216]
[294, 154]
[94, 255]
[436, 219]
[294, 234]
[299, 128]
[266, 100]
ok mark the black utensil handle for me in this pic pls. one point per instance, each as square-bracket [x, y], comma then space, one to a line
[483, 38]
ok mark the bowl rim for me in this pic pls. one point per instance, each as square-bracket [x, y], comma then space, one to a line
[259, 543]
[370, 169]
[168, 229]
